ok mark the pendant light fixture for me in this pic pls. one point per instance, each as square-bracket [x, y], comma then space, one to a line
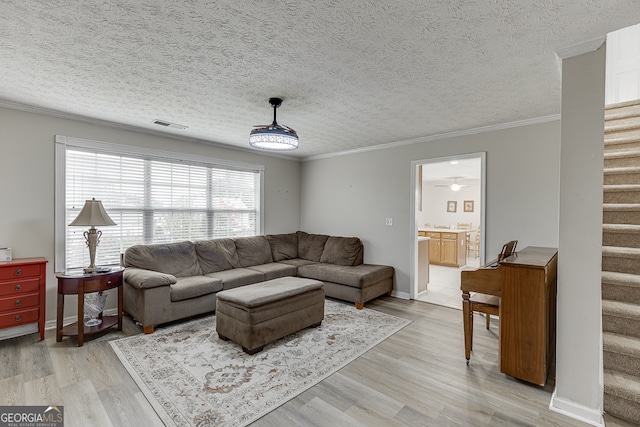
[274, 137]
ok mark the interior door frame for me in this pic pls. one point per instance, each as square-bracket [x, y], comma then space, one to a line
[413, 293]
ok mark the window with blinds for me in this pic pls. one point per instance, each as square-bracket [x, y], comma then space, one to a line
[155, 200]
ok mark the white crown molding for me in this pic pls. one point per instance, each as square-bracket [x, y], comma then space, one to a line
[99, 122]
[581, 48]
[441, 136]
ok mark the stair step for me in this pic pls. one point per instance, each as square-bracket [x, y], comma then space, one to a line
[621, 235]
[621, 193]
[634, 104]
[625, 130]
[618, 143]
[622, 114]
[622, 395]
[621, 318]
[622, 175]
[608, 128]
[621, 287]
[621, 128]
[621, 213]
[621, 259]
[621, 353]
[622, 158]
[630, 207]
[622, 153]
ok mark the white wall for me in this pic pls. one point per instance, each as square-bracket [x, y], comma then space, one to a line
[623, 65]
[27, 191]
[579, 340]
[353, 194]
[434, 205]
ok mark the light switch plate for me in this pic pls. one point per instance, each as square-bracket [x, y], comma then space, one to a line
[388, 222]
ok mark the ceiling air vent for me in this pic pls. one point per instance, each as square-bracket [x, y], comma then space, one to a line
[169, 124]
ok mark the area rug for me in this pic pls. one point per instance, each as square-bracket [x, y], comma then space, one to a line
[193, 378]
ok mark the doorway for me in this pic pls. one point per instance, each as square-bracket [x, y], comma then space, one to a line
[448, 200]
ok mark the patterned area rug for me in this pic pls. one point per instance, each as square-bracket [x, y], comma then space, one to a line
[193, 378]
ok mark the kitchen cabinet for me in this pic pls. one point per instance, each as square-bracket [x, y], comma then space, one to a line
[447, 246]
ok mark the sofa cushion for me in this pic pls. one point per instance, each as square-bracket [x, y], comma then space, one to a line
[237, 277]
[275, 269]
[342, 251]
[178, 259]
[194, 286]
[310, 246]
[359, 276]
[216, 255]
[145, 279]
[297, 262]
[283, 246]
[253, 250]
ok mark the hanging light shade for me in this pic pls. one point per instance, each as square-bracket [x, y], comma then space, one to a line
[274, 137]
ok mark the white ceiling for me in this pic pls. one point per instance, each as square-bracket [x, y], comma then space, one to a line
[353, 73]
[465, 171]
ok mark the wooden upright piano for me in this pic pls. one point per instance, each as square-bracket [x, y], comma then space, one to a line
[526, 283]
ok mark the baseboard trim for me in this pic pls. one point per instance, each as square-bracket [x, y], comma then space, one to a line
[17, 331]
[401, 295]
[32, 328]
[51, 324]
[577, 411]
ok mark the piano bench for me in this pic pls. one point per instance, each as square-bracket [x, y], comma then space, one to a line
[481, 303]
[487, 304]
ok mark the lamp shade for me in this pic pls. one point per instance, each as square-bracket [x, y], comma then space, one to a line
[93, 214]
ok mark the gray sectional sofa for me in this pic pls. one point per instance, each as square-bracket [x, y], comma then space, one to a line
[167, 282]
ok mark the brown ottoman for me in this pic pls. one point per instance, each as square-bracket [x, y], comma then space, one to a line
[255, 315]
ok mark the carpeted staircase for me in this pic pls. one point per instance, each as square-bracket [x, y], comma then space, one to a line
[621, 261]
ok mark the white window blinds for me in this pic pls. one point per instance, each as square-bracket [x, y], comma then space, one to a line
[154, 199]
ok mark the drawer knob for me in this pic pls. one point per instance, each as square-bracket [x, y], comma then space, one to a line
[18, 318]
[108, 282]
[18, 272]
[18, 302]
[18, 287]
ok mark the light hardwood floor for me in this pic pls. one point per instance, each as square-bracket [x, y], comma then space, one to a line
[417, 377]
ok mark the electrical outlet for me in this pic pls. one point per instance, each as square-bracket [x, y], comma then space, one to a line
[388, 222]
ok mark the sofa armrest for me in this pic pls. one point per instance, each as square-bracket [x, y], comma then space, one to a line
[145, 279]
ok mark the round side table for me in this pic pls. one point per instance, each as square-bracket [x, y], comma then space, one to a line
[84, 283]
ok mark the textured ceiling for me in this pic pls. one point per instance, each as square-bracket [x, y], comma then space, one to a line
[353, 73]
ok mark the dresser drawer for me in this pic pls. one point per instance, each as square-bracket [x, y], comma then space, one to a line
[15, 271]
[19, 287]
[18, 317]
[18, 302]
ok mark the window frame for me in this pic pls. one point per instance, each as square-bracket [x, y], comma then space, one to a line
[63, 143]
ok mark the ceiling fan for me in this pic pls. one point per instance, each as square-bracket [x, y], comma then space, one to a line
[274, 136]
[454, 186]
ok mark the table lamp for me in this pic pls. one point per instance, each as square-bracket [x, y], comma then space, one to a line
[92, 214]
